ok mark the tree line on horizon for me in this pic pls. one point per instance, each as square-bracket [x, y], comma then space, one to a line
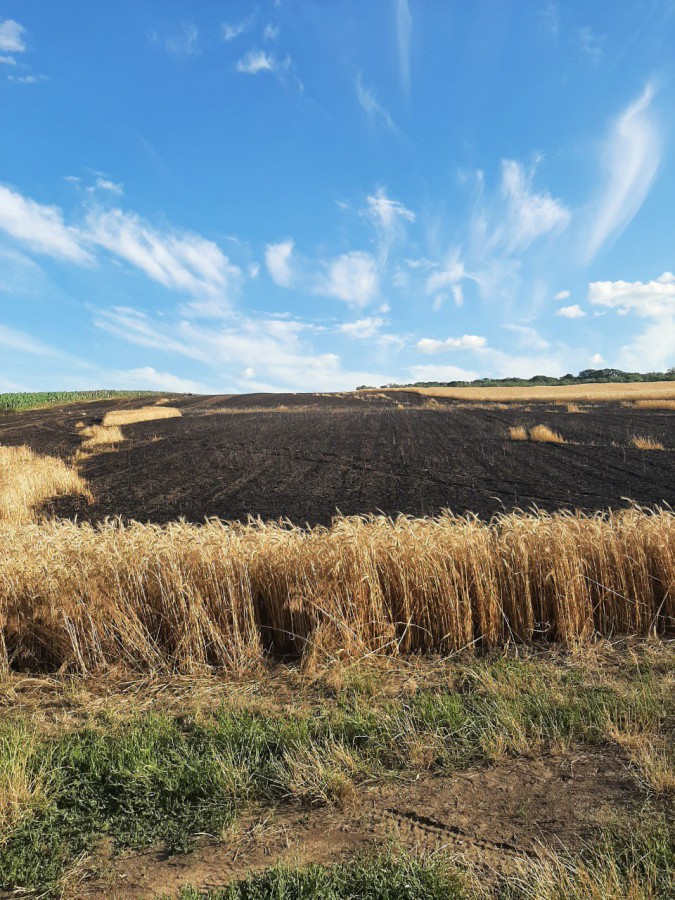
[586, 376]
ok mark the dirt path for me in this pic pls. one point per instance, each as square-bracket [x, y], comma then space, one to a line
[487, 816]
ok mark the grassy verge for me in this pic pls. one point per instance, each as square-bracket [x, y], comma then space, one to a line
[154, 777]
[374, 878]
[616, 867]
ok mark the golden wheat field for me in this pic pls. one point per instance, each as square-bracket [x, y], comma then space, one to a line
[651, 393]
[184, 597]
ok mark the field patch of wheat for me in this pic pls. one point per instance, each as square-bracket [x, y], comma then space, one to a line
[184, 597]
[143, 414]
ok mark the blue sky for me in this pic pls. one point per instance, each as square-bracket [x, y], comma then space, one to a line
[310, 195]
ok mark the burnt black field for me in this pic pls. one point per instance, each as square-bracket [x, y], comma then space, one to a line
[304, 457]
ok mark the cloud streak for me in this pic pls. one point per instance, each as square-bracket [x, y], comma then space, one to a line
[367, 97]
[40, 227]
[631, 158]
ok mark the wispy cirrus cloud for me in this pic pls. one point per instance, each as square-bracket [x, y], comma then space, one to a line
[524, 214]
[181, 43]
[388, 216]
[181, 261]
[267, 354]
[40, 227]
[257, 61]
[230, 31]
[631, 157]
[367, 97]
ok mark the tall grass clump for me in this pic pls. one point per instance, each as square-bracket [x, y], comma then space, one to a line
[544, 435]
[646, 443]
[184, 597]
[100, 436]
[518, 433]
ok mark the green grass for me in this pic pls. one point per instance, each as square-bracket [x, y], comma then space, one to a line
[370, 878]
[617, 866]
[157, 778]
[31, 400]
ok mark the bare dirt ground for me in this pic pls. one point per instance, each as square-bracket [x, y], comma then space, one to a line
[489, 817]
[304, 457]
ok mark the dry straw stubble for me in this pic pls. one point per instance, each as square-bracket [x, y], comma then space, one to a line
[518, 433]
[646, 443]
[184, 597]
[144, 414]
[28, 479]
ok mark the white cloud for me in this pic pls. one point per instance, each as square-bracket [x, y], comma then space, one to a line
[387, 215]
[105, 184]
[257, 61]
[352, 277]
[273, 349]
[654, 300]
[403, 31]
[571, 312]
[271, 32]
[231, 31]
[278, 262]
[466, 342]
[631, 159]
[40, 227]
[597, 359]
[528, 215]
[651, 299]
[452, 274]
[362, 329]
[441, 373]
[561, 295]
[367, 97]
[11, 37]
[7, 61]
[26, 79]
[181, 261]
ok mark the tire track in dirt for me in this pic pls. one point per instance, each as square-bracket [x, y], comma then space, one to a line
[490, 817]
